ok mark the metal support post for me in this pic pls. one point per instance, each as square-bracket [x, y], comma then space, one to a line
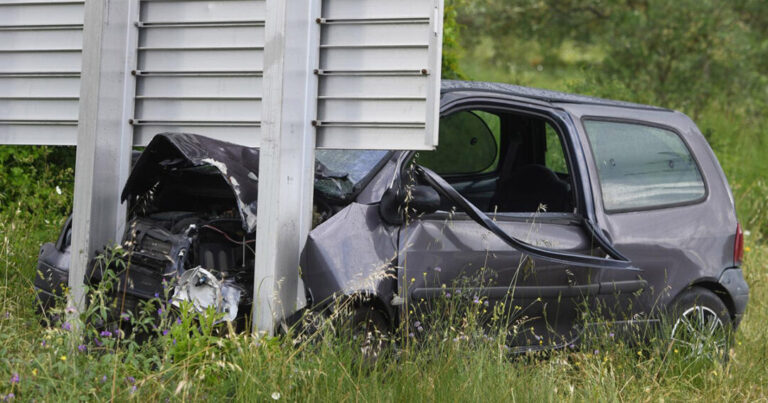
[286, 165]
[104, 136]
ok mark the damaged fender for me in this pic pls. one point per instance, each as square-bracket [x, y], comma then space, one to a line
[351, 253]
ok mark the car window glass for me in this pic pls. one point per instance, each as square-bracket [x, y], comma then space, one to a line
[467, 144]
[642, 166]
[493, 122]
[555, 156]
[355, 163]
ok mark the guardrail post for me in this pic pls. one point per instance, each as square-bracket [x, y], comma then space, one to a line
[287, 157]
[104, 137]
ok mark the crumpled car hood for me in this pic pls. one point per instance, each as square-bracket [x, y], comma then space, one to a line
[237, 164]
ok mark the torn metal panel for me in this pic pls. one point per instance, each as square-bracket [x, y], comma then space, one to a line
[351, 253]
[238, 166]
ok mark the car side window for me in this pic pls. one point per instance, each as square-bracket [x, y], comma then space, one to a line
[641, 166]
[469, 144]
[555, 156]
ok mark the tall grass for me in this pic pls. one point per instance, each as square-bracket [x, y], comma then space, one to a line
[452, 359]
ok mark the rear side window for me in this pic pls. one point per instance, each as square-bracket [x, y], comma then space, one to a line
[642, 166]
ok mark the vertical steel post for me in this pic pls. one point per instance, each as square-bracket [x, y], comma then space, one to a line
[286, 165]
[104, 136]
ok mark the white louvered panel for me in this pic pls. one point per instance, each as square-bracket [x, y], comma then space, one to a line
[190, 86]
[45, 13]
[41, 39]
[40, 52]
[202, 109]
[384, 86]
[51, 86]
[192, 11]
[351, 109]
[199, 69]
[199, 60]
[241, 36]
[379, 74]
[378, 9]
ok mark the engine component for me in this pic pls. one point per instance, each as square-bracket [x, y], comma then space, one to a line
[204, 290]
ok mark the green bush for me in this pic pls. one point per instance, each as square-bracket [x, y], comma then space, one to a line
[36, 179]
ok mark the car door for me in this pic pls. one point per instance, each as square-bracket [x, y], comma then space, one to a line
[540, 265]
[653, 204]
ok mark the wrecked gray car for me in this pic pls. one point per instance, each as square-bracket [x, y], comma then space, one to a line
[566, 204]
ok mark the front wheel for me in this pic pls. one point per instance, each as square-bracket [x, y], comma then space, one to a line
[371, 333]
[701, 325]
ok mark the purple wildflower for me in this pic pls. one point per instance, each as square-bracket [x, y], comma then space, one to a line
[174, 342]
[476, 300]
[410, 335]
[97, 342]
[42, 343]
[133, 389]
[103, 378]
[9, 397]
[610, 334]
[66, 326]
[437, 269]
[178, 321]
[70, 309]
[105, 333]
[597, 352]
[81, 348]
[160, 311]
[130, 379]
[165, 332]
[571, 346]
[157, 295]
[485, 303]
[15, 378]
[447, 295]
[126, 317]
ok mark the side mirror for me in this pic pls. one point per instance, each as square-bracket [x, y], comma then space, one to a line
[425, 200]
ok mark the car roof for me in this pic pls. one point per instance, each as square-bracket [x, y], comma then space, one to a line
[537, 94]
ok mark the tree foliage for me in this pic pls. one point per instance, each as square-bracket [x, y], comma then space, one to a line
[452, 32]
[681, 54]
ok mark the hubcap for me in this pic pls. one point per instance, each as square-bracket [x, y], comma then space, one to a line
[699, 332]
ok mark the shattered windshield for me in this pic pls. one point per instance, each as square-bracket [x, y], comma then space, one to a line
[343, 169]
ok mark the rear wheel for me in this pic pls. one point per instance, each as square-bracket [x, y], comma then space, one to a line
[701, 325]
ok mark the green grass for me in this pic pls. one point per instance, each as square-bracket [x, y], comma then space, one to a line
[446, 363]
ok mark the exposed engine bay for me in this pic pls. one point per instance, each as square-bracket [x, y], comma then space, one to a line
[192, 223]
[206, 261]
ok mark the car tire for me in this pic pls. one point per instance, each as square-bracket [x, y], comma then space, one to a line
[700, 325]
[371, 331]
